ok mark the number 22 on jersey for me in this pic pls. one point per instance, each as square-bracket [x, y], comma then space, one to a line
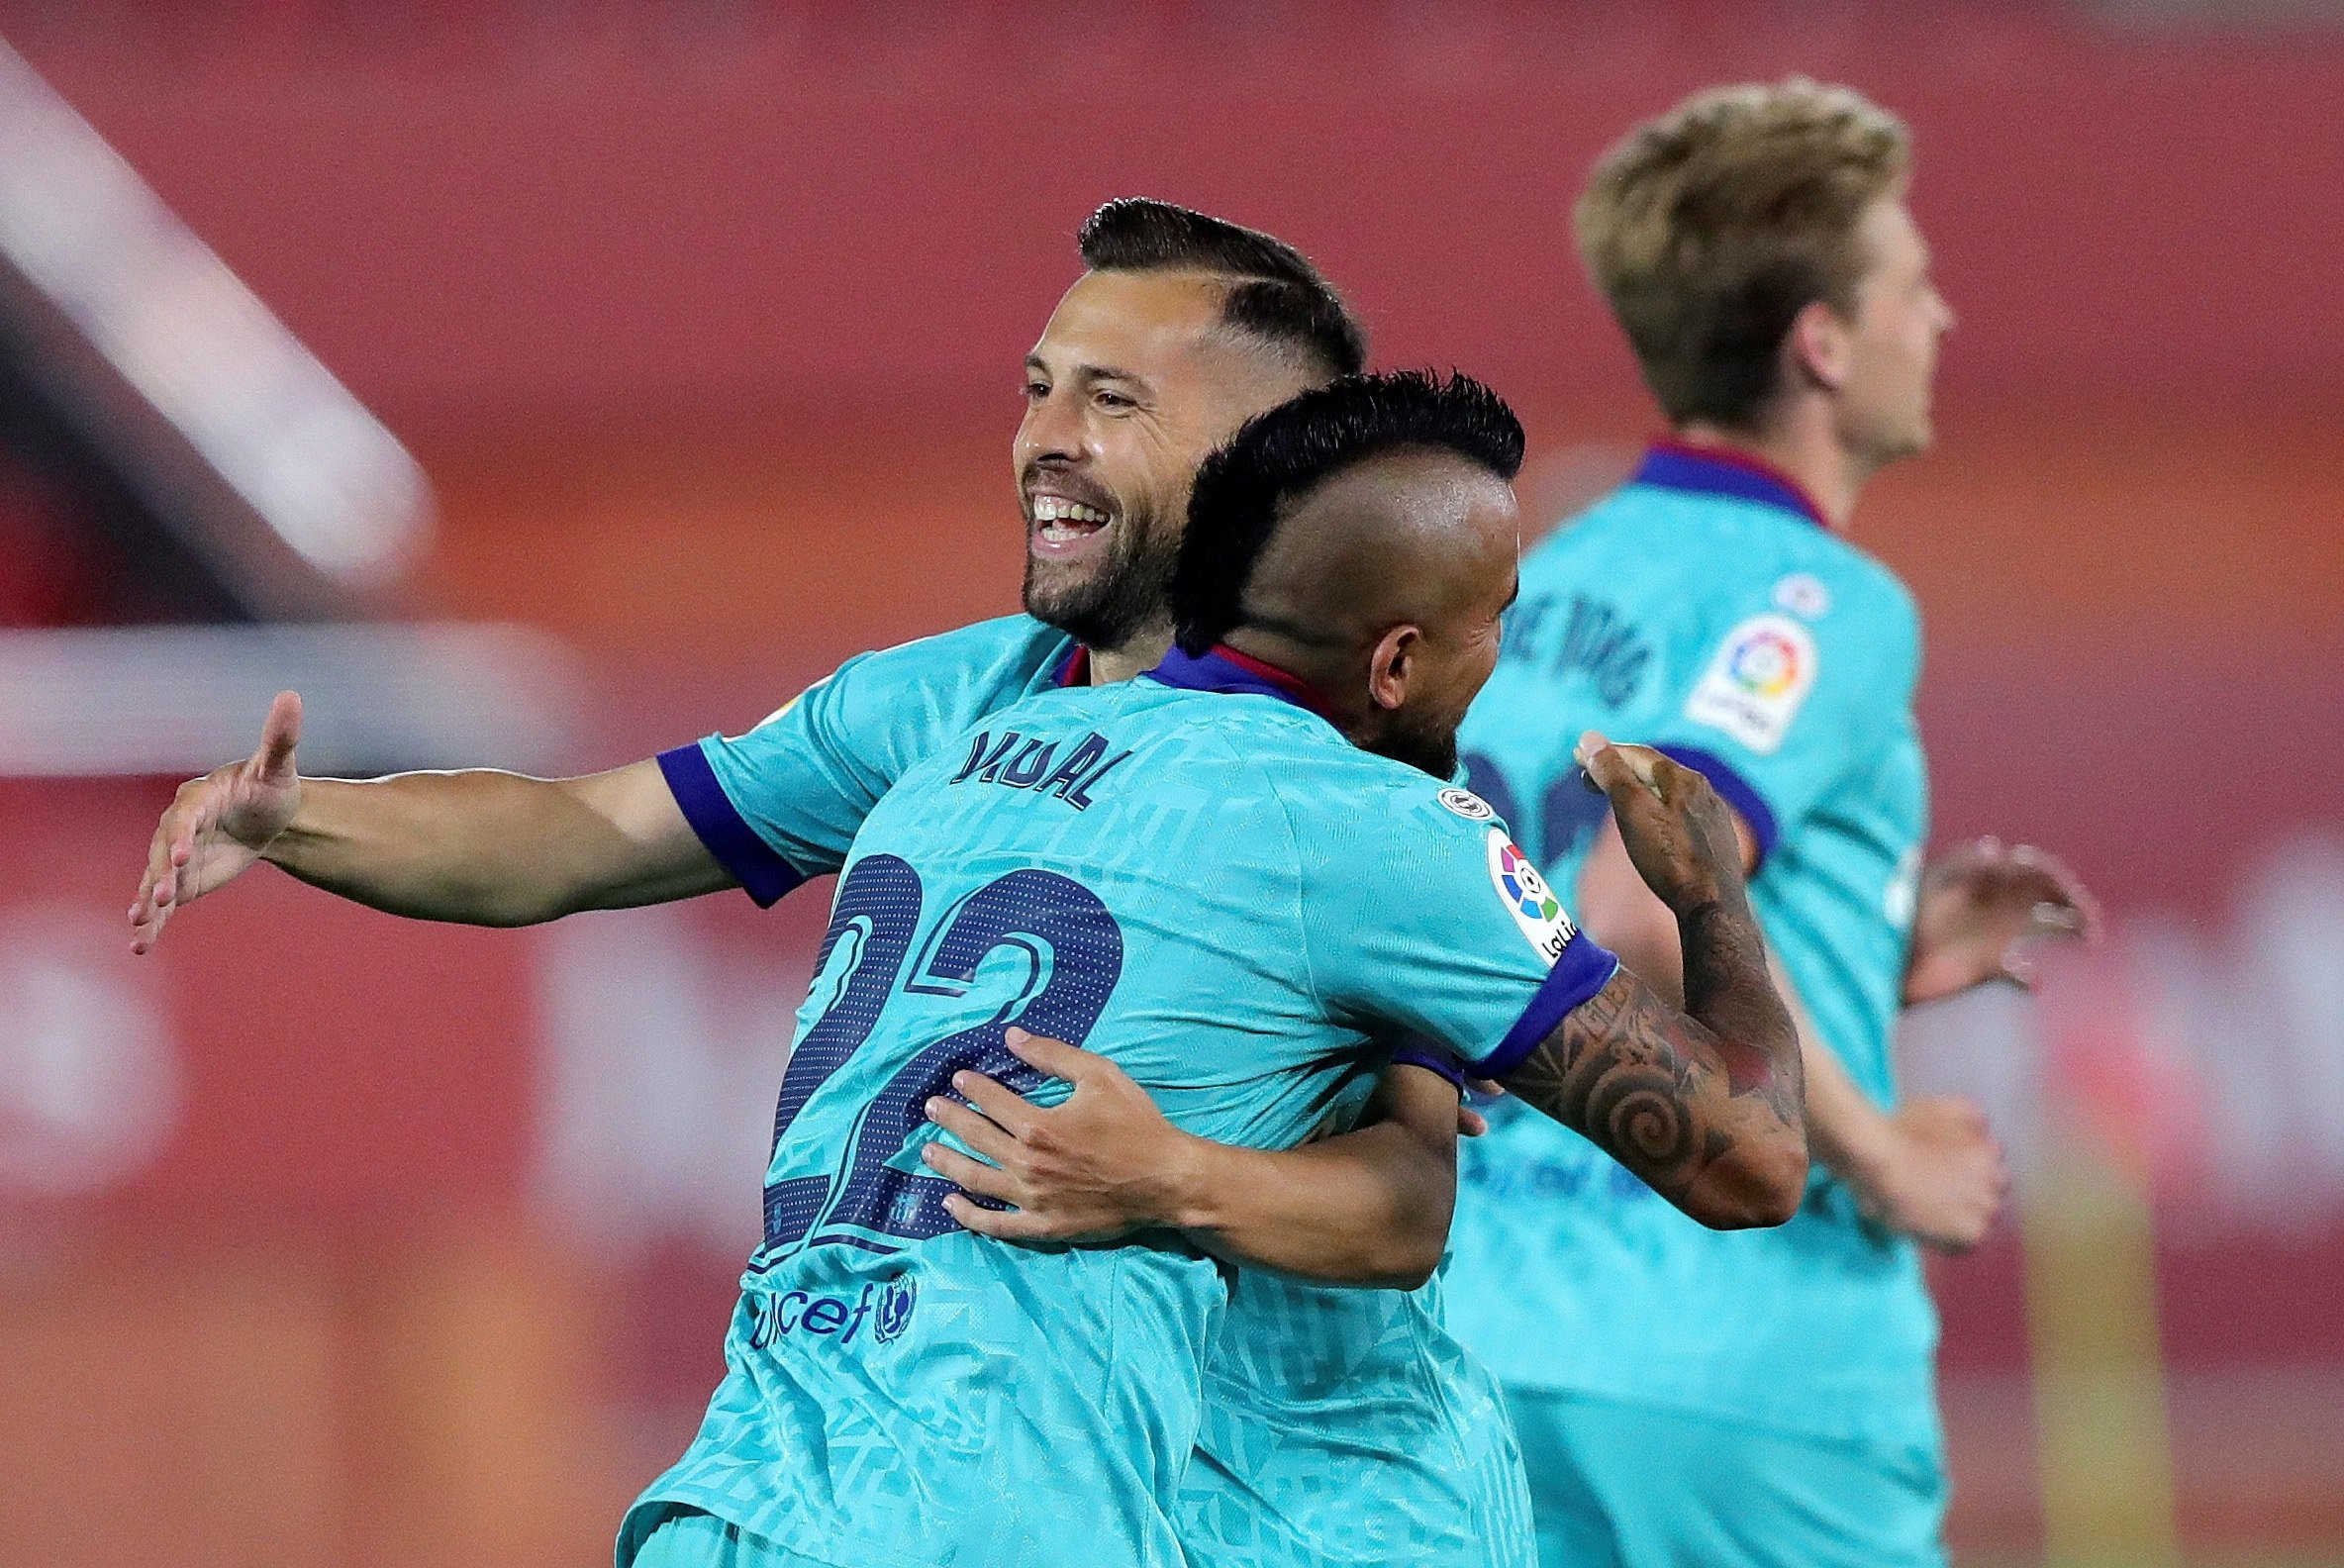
[1064, 931]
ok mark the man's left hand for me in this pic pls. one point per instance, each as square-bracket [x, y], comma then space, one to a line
[1099, 1165]
[1982, 908]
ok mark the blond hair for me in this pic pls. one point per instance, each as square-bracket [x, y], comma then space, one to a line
[1711, 228]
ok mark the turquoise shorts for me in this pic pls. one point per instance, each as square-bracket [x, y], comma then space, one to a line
[677, 1536]
[1625, 1486]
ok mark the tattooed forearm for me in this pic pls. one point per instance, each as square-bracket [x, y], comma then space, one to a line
[1706, 1105]
[1611, 1071]
[1730, 988]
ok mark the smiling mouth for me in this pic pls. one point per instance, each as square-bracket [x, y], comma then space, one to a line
[1060, 523]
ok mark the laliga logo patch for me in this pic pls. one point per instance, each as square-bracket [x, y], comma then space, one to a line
[1765, 664]
[1528, 899]
[1754, 686]
[1467, 805]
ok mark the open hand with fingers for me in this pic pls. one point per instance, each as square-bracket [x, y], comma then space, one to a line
[1982, 908]
[217, 826]
[1099, 1164]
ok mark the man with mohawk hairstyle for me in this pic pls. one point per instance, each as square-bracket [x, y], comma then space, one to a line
[1345, 1425]
[1181, 327]
[1265, 886]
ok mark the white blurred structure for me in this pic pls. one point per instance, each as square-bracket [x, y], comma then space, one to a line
[89, 1071]
[145, 701]
[227, 430]
[2211, 1047]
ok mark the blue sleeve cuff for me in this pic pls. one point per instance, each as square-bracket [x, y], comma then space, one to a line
[1737, 791]
[1424, 1053]
[752, 861]
[1584, 969]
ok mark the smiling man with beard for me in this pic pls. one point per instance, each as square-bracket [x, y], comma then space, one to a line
[1181, 327]
[1235, 877]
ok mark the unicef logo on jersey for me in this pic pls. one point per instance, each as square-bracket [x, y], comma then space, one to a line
[894, 1311]
[875, 1315]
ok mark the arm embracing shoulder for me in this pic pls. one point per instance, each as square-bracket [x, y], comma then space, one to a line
[1369, 1207]
[762, 811]
[481, 847]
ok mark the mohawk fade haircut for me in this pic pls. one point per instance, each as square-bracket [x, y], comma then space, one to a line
[1711, 228]
[1276, 298]
[1278, 457]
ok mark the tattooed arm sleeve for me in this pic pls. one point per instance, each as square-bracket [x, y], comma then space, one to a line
[1706, 1105]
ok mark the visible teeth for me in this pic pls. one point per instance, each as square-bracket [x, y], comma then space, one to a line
[1057, 509]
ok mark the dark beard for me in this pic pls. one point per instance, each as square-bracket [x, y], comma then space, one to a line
[1112, 607]
[1436, 754]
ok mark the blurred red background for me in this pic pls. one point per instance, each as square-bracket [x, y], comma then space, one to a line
[411, 1245]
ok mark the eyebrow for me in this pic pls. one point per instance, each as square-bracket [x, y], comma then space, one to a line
[1091, 372]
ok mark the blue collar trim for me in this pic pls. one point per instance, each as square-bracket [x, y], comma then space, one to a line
[1701, 470]
[1225, 669]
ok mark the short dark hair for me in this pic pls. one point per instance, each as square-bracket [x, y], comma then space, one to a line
[1278, 457]
[1275, 297]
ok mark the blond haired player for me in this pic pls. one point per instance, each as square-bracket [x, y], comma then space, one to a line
[1764, 1398]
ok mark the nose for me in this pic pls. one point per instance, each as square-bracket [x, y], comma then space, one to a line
[1051, 431]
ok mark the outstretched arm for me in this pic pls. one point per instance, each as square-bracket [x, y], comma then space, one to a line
[1368, 1207]
[1704, 1104]
[481, 848]
[485, 848]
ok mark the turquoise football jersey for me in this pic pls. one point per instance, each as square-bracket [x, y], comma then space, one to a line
[782, 804]
[1704, 609]
[1195, 875]
[1301, 1465]
[1347, 1428]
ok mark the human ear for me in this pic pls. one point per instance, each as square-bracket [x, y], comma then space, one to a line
[1389, 666]
[1817, 345]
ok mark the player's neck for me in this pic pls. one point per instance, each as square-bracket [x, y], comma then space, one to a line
[1142, 653]
[1805, 450]
[1317, 675]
